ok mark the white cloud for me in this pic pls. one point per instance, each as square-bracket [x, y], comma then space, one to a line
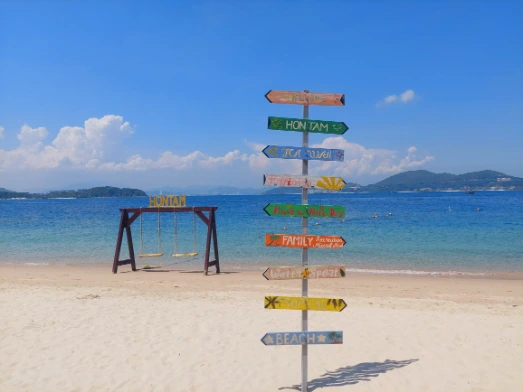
[391, 98]
[406, 96]
[2, 132]
[91, 152]
[360, 161]
[30, 137]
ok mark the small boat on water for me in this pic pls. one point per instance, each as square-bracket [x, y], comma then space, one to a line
[470, 192]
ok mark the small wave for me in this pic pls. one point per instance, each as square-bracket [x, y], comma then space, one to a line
[411, 272]
[37, 264]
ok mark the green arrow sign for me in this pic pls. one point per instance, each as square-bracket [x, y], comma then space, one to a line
[302, 125]
[305, 210]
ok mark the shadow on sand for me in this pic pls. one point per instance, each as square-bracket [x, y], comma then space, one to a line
[349, 375]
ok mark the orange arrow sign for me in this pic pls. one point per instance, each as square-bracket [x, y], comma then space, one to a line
[304, 241]
[305, 98]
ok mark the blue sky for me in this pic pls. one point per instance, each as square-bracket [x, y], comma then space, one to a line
[151, 94]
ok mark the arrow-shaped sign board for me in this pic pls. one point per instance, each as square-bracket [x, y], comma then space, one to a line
[305, 303]
[305, 210]
[303, 125]
[307, 153]
[324, 271]
[304, 241]
[302, 338]
[305, 98]
[288, 180]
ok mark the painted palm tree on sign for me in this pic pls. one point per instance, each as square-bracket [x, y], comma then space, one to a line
[335, 337]
[273, 238]
[270, 302]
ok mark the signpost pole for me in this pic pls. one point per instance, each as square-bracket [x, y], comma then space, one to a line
[304, 259]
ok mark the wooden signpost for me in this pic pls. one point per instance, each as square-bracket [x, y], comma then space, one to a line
[302, 125]
[305, 211]
[309, 154]
[299, 338]
[305, 303]
[288, 180]
[305, 98]
[324, 271]
[304, 241]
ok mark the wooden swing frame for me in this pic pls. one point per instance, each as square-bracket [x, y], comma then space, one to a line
[127, 220]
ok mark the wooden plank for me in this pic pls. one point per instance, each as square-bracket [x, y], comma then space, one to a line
[304, 241]
[306, 153]
[305, 303]
[305, 98]
[306, 125]
[119, 238]
[302, 338]
[289, 180]
[314, 272]
[305, 210]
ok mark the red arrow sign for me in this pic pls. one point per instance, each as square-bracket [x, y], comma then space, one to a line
[305, 98]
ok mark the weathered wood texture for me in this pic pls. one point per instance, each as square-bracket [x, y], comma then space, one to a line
[304, 303]
[313, 272]
[304, 241]
[302, 338]
[305, 210]
[289, 180]
[305, 98]
[306, 153]
[304, 125]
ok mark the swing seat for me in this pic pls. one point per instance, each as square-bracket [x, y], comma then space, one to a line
[185, 254]
[150, 255]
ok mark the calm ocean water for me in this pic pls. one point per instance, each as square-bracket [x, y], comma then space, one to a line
[442, 231]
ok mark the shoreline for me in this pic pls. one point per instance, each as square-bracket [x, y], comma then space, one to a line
[195, 266]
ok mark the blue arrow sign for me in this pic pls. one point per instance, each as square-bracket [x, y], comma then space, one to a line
[307, 153]
[300, 338]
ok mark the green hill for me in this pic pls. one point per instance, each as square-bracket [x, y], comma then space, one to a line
[425, 180]
[103, 191]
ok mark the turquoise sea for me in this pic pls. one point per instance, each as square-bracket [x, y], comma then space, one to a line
[423, 232]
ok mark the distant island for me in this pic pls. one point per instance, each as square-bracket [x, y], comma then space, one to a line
[425, 181]
[102, 191]
[411, 181]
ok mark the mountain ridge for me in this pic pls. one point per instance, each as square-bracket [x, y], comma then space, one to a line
[411, 181]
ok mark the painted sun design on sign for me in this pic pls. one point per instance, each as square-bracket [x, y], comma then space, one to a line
[332, 183]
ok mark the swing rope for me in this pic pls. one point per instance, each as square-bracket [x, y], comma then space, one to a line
[160, 253]
[175, 239]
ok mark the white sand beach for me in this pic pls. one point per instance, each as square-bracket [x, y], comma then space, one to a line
[86, 329]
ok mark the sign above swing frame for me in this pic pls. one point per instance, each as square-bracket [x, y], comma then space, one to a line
[168, 201]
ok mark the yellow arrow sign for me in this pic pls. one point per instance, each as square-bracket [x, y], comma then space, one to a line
[305, 303]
